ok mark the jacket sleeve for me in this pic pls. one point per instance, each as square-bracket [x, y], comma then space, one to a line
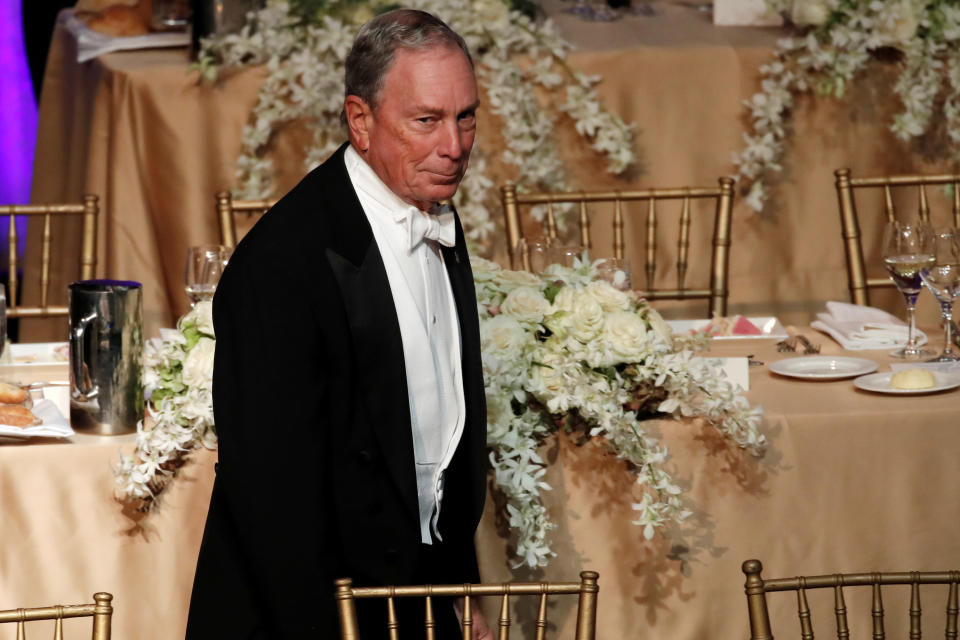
[268, 388]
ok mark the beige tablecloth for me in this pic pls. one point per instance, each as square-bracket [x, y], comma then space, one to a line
[137, 129]
[852, 481]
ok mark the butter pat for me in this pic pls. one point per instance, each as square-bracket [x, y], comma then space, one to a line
[913, 379]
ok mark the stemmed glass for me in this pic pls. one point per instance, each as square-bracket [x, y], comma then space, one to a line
[943, 280]
[205, 264]
[907, 254]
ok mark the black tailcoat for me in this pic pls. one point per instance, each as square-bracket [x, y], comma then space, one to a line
[316, 476]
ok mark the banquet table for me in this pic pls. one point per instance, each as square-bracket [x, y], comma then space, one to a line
[851, 481]
[138, 129]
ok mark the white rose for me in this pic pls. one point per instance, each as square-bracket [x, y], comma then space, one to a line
[526, 304]
[626, 335]
[565, 299]
[659, 325]
[547, 373]
[198, 365]
[586, 318]
[483, 269]
[809, 13]
[904, 26]
[609, 297]
[502, 335]
[202, 316]
[509, 280]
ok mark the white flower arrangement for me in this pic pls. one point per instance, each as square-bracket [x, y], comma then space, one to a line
[303, 44]
[560, 349]
[840, 38]
[568, 348]
[178, 376]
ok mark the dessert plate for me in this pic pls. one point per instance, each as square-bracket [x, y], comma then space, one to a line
[770, 328]
[880, 383]
[823, 367]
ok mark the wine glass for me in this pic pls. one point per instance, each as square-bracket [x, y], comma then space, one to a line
[907, 253]
[943, 280]
[205, 264]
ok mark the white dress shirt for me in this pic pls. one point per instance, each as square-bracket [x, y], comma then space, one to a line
[430, 332]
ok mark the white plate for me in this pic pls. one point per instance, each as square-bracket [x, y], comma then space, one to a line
[28, 354]
[823, 367]
[769, 325]
[54, 425]
[880, 383]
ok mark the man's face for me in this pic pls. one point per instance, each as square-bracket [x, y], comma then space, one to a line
[420, 134]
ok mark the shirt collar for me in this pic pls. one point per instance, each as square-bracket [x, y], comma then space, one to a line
[366, 179]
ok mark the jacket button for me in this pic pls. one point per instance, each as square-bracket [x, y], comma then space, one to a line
[365, 456]
[391, 555]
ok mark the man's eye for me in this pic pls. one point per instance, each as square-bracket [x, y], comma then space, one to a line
[425, 119]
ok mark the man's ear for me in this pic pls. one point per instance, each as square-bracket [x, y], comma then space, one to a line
[359, 116]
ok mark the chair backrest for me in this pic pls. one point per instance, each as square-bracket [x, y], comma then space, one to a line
[586, 612]
[227, 210]
[89, 210]
[857, 278]
[717, 293]
[101, 611]
[757, 588]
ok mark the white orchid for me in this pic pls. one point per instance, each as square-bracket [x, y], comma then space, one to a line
[829, 57]
[304, 83]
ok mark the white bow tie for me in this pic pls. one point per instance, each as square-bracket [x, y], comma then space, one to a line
[425, 226]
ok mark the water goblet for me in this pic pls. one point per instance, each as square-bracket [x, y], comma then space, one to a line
[907, 253]
[616, 271]
[205, 264]
[565, 255]
[943, 281]
[533, 254]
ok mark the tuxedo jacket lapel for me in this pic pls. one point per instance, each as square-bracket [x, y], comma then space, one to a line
[375, 333]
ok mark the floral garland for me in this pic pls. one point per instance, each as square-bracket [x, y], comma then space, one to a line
[562, 349]
[304, 51]
[178, 378]
[569, 349]
[841, 37]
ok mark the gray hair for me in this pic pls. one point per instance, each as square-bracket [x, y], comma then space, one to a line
[375, 47]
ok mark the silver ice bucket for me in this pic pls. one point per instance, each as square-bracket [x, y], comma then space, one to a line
[106, 356]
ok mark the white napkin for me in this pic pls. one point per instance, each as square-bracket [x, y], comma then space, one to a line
[54, 425]
[91, 44]
[857, 327]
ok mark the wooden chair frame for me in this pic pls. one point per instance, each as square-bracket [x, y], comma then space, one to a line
[587, 589]
[756, 589]
[718, 291]
[227, 208]
[857, 279]
[89, 209]
[101, 611]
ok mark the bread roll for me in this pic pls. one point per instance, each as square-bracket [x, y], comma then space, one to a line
[17, 416]
[12, 394]
[100, 5]
[118, 21]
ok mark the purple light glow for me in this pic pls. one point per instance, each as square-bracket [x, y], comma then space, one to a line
[18, 124]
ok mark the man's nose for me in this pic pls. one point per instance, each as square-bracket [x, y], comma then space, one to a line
[451, 145]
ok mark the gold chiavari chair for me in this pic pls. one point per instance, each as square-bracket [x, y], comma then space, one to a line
[228, 209]
[717, 293]
[857, 278]
[587, 590]
[757, 589]
[101, 611]
[89, 210]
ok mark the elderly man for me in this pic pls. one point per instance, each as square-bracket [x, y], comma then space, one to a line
[348, 389]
